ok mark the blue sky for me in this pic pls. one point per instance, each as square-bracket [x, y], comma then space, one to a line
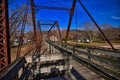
[103, 11]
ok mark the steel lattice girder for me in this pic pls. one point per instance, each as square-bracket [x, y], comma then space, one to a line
[4, 35]
[70, 20]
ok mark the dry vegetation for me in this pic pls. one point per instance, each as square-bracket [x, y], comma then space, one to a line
[104, 44]
[24, 49]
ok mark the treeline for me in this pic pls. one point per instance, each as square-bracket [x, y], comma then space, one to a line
[93, 34]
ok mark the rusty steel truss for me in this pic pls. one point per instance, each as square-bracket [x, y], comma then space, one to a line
[70, 20]
[33, 19]
[4, 35]
[4, 27]
[39, 33]
[58, 28]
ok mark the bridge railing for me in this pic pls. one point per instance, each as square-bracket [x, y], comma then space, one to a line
[15, 70]
[103, 61]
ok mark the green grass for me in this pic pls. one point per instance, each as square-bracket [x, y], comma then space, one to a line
[102, 43]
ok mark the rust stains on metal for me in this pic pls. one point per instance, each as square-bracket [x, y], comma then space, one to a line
[70, 20]
[33, 18]
[57, 25]
[4, 35]
[39, 35]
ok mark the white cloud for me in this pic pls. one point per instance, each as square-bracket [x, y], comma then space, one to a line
[105, 12]
[115, 17]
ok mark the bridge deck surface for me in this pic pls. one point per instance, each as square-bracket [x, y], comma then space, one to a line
[85, 72]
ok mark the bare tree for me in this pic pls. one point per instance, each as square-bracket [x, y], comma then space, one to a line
[89, 30]
[16, 19]
[14, 22]
[111, 32]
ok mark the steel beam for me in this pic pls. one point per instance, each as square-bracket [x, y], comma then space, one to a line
[70, 20]
[12, 70]
[46, 24]
[4, 35]
[96, 24]
[51, 7]
[57, 25]
[52, 27]
[33, 18]
[40, 32]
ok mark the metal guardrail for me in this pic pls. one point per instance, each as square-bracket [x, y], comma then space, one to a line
[11, 72]
[16, 70]
[105, 62]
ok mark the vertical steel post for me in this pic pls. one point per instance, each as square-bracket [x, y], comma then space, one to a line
[70, 20]
[33, 18]
[39, 28]
[50, 29]
[57, 25]
[4, 35]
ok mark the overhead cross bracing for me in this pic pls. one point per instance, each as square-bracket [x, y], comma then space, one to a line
[52, 24]
[41, 62]
[52, 8]
[71, 11]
